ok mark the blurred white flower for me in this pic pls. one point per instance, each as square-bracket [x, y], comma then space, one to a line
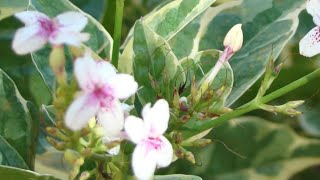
[310, 43]
[101, 89]
[152, 148]
[39, 29]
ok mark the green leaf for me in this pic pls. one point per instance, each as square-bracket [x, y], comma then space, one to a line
[309, 120]
[96, 8]
[9, 7]
[16, 124]
[100, 41]
[15, 173]
[267, 27]
[253, 148]
[165, 21]
[21, 68]
[156, 69]
[177, 177]
[9, 156]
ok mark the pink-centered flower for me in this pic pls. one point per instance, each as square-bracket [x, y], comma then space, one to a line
[152, 148]
[310, 43]
[39, 29]
[101, 90]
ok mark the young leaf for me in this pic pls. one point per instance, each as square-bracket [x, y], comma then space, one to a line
[156, 69]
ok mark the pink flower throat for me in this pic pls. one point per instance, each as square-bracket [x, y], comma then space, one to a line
[104, 95]
[48, 27]
[153, 143]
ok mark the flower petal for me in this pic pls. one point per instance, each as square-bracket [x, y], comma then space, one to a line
[27, 40]
[123, 85]
[310, 44]
[31, 17]
[143, 162]
[313, 8]
[91, 73]
[156, 118]
[69, 38]
[165, 153]
[112, 120]
[72, 21]
[80, 111]
[135, 129]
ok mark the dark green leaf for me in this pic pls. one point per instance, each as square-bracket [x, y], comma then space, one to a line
[9, 156]
[16, 124]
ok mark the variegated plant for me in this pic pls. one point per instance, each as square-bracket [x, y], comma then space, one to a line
[165, 93]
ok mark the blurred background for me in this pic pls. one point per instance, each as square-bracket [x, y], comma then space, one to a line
[234, 150]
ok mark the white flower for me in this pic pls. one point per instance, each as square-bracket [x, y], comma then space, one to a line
[310, 43]
[39, 29]
[152, 148]
[101, 89]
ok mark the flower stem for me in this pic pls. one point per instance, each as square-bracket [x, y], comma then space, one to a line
[117, 32]
[252, 105]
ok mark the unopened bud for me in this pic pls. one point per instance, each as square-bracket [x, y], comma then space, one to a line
[176, 98]
[84, 175]
[55, 132]
[183, 103]
[57, 62]
[201, 142]
[190, 157]
[72, 157]
[234, 38]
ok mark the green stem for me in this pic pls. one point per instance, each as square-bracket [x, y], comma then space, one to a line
[252, 105]
[117, 32]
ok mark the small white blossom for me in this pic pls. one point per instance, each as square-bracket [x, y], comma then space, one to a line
[101, 89]
[152, 148]
[39, 29]
[310, 43]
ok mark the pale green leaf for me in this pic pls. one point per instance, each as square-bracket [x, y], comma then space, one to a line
[9, 7]
[154, 65]
[9, 173]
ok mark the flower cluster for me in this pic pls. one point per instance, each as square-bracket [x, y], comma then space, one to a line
[101, 92]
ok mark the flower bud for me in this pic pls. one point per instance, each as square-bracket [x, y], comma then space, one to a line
[57, 62]
[72, 157]
[234, 38]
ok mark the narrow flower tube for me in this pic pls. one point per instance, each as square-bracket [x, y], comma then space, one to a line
[232, 43]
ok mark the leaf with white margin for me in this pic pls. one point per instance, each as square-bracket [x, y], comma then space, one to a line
[268, 25]
[167, 21]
